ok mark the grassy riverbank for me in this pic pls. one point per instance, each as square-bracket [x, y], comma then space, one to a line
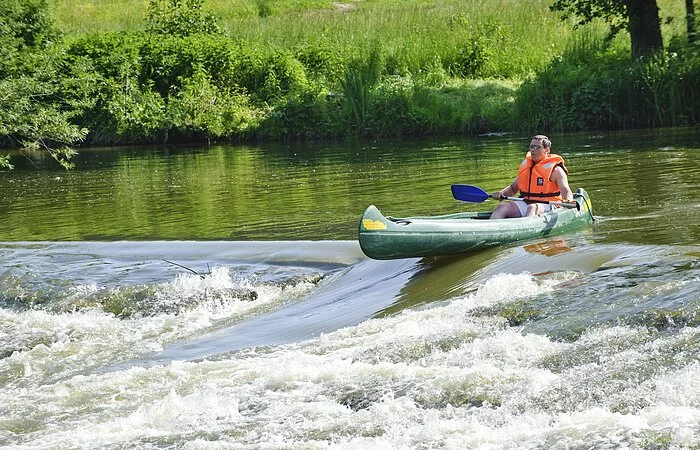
[127, 72]
[502, 39]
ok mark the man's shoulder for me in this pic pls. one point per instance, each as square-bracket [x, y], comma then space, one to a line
[558, 171]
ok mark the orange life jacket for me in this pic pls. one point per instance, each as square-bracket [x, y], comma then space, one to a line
[533, 179]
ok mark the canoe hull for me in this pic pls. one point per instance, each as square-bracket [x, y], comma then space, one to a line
[383, 237]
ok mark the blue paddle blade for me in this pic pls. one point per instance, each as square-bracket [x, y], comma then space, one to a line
[467, 193]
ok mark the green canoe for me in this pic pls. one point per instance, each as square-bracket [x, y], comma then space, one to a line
[392, 238]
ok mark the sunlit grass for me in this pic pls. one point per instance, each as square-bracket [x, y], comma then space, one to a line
[418, 33]
[518, 35]
[87, 16]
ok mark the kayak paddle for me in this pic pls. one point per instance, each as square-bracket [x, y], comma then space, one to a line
[474, 194]
[468, 193]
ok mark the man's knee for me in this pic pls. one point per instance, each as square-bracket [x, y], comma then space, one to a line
[505, 210]
[533, 209]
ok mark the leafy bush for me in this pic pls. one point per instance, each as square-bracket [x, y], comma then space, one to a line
[322, 62]
[392, 111]
[179, 18]
[34, 116]
[111, 55]
[26, 25]
[201, 110]
[166, 61]
[607, 90]
[281, 74]
[309, 114]
[132, 113]
[668, 87]
[469, 107]
[37, 109]
[470, 59]
[266, 76]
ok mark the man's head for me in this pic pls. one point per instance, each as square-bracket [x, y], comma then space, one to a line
[539, 147]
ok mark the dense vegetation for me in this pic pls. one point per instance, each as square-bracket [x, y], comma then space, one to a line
[99, 72]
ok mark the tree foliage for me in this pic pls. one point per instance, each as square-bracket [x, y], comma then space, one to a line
[639, 17]
[35, 112]
[25, 25]
[614, 12]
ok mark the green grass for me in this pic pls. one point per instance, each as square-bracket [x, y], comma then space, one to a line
[518, 35]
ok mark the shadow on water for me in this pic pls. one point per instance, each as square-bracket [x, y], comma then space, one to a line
[441, 278]
[344, 298]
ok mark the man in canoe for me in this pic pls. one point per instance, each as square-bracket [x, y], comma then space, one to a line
[542, 177]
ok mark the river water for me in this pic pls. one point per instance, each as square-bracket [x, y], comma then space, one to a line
[189, 297]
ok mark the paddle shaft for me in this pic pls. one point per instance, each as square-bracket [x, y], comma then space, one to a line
[563, 204]
[468, 193]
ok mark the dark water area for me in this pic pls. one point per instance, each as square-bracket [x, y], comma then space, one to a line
[216, 297]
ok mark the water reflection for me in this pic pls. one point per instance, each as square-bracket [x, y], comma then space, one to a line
[555, 246]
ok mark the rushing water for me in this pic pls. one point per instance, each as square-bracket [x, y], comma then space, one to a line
[217, 298]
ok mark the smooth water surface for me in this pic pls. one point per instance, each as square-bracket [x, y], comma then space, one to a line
[318, 191]
[217, 298]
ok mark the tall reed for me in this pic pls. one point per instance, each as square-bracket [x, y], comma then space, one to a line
[359, 80]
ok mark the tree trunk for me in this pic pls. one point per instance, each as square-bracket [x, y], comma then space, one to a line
[690, 21]
[644, 27]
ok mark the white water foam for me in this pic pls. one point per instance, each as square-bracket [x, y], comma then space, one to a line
[48, 346]
[436, 377]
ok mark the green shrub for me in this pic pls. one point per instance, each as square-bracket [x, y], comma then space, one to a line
[34, 114]
[179, 18]
[607, 90]
[302, 115]
[111, 55]
[199, 110]
[391, 111]
[470, 59]
[469, 107]
[322, 62]
[26, 26]
[134, 113]
[668, 87]
[167, 61]
[281, 74]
